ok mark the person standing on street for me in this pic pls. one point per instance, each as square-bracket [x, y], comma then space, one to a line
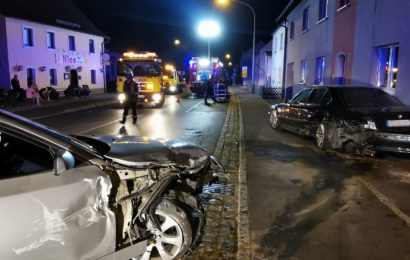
[15, 90]
[209, 88]
[131, 95]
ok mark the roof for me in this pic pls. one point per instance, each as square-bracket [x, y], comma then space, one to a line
[60, 13]
[285, 12]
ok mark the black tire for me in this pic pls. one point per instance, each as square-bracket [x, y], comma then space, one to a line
[175, 238]
[322, 136]
[274, 119]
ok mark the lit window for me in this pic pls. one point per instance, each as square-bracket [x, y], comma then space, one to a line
[53, 77]
[340, 69]
[343, 3]
[71, 43]
[319, 71]
[305, 25]
[387, 68]
[292, 30]
[322, 9]
[91, 46]
[303, 71]
[28, 37]
[51, 40]
[93, 77]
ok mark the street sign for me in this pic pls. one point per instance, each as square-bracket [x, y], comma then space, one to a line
[244, 72]
[106, 57]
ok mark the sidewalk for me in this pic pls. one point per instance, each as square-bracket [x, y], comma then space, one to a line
[63, 105]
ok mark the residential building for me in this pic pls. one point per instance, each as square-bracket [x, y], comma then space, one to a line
[246, 64]
[263, 75]
[278, 56]
[54, 47]
[347, 42]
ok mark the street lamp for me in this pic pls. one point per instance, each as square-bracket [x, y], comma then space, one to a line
[228, 56]
[177, 42]
[209, 29]
[225, 3]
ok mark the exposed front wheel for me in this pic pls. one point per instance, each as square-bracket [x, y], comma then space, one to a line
[274, 120]
[174, 237]
[322, 136]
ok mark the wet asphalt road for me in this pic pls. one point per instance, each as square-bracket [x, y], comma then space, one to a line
[308, 204]
[189, 120]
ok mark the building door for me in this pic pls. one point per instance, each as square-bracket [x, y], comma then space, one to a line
[74, 78]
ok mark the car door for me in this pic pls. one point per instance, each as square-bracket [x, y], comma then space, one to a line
[294, 110]
[314, 109]
[45, 216]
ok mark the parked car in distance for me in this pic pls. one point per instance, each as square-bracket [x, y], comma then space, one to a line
[350, 118]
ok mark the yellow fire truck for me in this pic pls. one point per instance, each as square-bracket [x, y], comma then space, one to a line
[170, 78]
[146, 70]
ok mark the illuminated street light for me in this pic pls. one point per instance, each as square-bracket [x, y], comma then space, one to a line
[230, 64]
[177, 42]
[226, 3]
[209, 29]
[228, 56]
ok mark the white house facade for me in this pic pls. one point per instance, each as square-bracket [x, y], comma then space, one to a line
[265, 62]
[278, 55]
[53, 52]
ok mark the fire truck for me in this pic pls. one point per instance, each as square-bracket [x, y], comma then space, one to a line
[201, 70]
[145, 67]
[171, 79]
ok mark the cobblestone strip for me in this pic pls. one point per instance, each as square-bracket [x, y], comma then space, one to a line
[244, 242]
[220, 238]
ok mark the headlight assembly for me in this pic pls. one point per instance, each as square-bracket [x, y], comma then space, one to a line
[370, 125]
[157, 97]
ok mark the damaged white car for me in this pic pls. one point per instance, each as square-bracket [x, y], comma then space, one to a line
[65, 197]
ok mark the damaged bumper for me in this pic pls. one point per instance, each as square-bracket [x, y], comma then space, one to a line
[390, 142]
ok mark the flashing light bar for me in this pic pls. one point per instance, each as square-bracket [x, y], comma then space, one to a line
[169, 67]
[144, 55]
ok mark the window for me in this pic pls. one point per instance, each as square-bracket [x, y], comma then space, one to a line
[340, 69]
[28, 37]
[292, 30]
[387, 67]
[93, 77]
[50, 40]
[343, 3]
[281, 41]
[71, 43]
[275, 44]
[319, 96]
[53, 77]
[320, 68]
[31, 74]
[303, 71]
[305, 24]
[322, 9]
[21, 157]
[91, 46]
[302, 97]
[290, 78]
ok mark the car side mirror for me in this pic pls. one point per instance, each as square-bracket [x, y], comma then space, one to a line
[63, 162]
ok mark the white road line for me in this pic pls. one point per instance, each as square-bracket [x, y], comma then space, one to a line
[386, 201]
[100, 126]
[264, 101]
[192, 108]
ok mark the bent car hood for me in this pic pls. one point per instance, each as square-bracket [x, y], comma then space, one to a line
[139, 151]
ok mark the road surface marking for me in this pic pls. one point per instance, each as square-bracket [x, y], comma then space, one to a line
[386, 201]
[264, 101]
[192, 108]
[100, 126]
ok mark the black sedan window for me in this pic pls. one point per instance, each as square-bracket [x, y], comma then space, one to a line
[301, 97]
[368, 97]
[320, 96]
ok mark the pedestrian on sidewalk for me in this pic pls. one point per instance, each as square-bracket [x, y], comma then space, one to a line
[16, 91]
[32, 91]
[131, 95]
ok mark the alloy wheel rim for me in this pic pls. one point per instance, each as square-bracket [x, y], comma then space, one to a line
[167, 242]
[320, 135]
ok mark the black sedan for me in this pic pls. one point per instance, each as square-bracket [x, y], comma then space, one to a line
[354, 119]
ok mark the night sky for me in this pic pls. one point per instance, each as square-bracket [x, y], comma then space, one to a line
[154, 24]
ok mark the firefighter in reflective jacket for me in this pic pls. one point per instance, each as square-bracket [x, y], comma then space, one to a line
[131, 95]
